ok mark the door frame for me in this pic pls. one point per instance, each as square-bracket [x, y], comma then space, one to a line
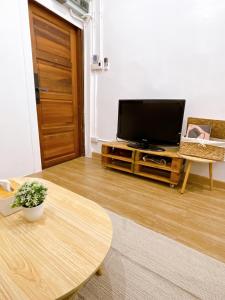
[24, 30]
[80, 94]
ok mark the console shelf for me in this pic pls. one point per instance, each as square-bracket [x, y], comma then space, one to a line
[118, 157]
[153, 165]
[119, 167]
[164, 166]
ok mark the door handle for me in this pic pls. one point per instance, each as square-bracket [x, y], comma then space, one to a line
[37, 88]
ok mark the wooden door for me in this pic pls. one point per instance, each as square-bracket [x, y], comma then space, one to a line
[55, 47]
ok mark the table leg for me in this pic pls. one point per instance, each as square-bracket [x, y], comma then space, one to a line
[186, 176]
[71, 297]
[211, 175]
[99, 272]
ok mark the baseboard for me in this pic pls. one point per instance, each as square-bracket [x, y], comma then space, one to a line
[193, 178]
[202, 180]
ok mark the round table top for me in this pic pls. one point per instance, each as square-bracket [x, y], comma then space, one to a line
[52, 257]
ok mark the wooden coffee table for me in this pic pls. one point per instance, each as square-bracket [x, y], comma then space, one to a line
[53, 257]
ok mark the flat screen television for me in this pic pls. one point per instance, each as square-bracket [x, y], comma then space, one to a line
[150, 122]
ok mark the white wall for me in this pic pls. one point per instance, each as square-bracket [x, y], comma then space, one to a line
[163, 49]
[19, 141]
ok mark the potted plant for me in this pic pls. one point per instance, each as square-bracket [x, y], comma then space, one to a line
[30, 196]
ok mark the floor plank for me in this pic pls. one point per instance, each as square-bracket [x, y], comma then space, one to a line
[196, 218]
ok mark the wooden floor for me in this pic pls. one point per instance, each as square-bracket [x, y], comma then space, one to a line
[196, 219]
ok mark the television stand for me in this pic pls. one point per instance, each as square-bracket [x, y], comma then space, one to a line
[144, 145]
[165, 166]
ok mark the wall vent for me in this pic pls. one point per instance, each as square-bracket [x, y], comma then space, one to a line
[82, 5]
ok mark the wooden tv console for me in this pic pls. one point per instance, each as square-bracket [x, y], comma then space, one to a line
[119, 156]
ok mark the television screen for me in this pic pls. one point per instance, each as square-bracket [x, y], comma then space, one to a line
[157, 121]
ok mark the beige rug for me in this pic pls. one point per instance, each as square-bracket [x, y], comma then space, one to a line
[143, 264]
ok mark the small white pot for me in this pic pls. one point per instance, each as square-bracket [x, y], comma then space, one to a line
[33, 213]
